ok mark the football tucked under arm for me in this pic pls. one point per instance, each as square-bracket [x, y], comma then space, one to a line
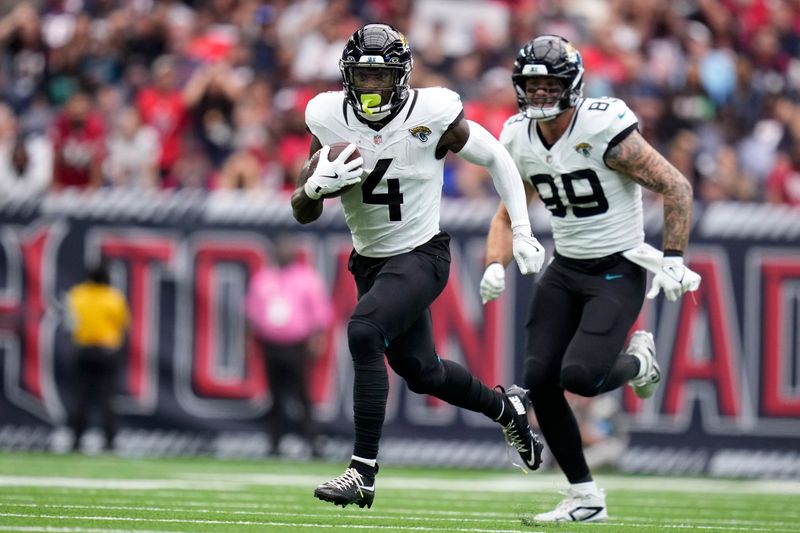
[335, 151]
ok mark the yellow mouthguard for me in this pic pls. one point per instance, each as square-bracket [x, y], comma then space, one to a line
[369, 101]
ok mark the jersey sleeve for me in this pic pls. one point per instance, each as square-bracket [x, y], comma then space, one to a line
[508, 135]
[318, 111]
[511, 129]
[611, 119]
[445, 107]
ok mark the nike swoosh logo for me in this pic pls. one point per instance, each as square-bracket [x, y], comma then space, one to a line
[621, 114]
[579, 514]
[609, 277]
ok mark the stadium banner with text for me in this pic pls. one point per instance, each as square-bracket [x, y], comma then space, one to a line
[194, 382]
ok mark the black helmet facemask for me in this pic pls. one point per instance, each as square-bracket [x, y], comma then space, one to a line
[376, 66]
[548, 56]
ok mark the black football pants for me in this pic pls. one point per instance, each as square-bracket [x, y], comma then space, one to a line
[579, 320]
[392, 317]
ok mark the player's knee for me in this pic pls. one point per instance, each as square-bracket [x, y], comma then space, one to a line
[581, 380]
[365, 339]
[426, 382]
[406, 368]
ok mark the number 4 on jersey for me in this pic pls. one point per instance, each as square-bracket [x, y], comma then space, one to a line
[393, 198]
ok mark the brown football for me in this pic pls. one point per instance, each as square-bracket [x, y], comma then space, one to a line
[336, 149]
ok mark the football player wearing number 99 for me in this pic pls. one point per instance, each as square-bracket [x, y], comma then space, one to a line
[401, 258]
[587, 162]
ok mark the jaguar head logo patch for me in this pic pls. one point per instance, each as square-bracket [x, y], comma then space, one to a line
[584, 149]
[420, 132]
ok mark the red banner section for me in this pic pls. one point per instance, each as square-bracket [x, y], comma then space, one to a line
[730, 352]
[780, 392]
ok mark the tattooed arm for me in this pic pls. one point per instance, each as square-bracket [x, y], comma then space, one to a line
[634, 157]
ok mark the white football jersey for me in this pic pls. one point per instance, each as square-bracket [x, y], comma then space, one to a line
[395, 208]
[596, 211]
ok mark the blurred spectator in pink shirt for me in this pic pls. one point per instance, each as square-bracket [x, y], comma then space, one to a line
[289, 309]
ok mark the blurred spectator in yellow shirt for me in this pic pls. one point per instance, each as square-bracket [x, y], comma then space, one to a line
[99, 316]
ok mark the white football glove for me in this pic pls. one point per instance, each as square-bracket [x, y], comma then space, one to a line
[674, 278]
[493, 282]
[528, 252]
[330, 176]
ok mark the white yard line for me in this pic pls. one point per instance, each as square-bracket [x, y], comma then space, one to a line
[424, 516]
[612, 524]
[112, 484]
[530, 483]
[53, 529]
[232, 501]
[411, 514]
[262, 524]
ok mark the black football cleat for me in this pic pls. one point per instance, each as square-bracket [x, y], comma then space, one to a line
[348, 488]
[518, 432]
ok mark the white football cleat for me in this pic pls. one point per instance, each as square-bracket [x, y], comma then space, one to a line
[643, 347]
[577, 507]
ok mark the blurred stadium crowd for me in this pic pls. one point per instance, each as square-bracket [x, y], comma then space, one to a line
[209, 94]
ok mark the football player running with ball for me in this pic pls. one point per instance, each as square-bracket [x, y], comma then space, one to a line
[587, 162]
[401, 259]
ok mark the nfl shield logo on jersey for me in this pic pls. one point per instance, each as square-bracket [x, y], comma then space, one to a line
[377, 139]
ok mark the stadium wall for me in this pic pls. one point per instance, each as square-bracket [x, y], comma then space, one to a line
[193, 381]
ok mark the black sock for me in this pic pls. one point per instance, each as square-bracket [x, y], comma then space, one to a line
[367, 472]
[370, 389]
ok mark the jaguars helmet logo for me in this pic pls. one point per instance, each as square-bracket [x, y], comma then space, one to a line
[571, 52]
[584, 149]
[420, 132]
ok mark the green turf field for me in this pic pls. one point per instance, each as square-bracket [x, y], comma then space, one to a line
[70, 493]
